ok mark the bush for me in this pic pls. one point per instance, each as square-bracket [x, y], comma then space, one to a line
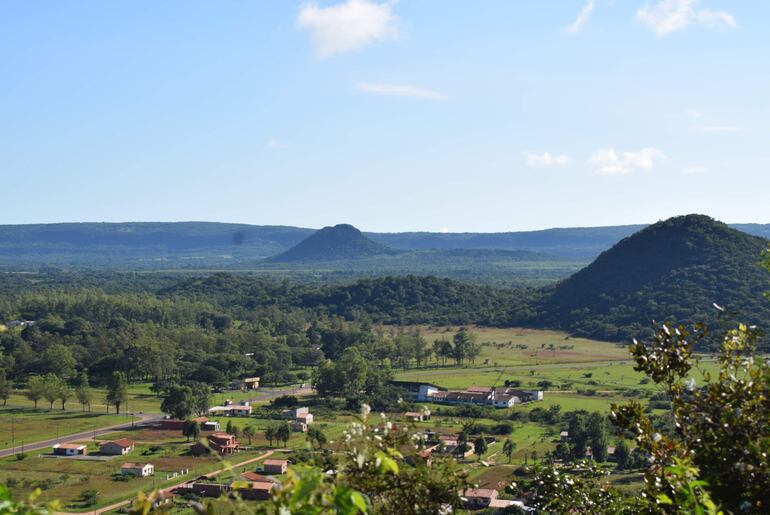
[285, 401]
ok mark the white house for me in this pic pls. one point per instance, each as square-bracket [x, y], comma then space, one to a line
[137, 469]
[418, 391]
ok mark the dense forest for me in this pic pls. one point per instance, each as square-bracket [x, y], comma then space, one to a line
[216, 328]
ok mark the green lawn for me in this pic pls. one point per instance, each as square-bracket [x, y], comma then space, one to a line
[30, 425]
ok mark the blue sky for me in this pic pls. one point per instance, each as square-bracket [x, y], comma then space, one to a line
[402, 115]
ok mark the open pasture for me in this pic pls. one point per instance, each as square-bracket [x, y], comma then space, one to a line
[28, 425]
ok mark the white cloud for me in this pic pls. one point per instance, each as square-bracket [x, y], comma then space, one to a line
[582, 18]
[667, 16]
[545, 159]
[348, 26]
[275, 143]
[694, 170]
[444, 230]
[719, 128]
[400, 90]
[609, 162]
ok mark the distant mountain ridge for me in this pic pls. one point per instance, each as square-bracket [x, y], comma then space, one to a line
[338, 243]
[136, 245]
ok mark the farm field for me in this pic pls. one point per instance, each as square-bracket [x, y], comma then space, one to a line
[570, 366]
[69, 480]
[30, 425]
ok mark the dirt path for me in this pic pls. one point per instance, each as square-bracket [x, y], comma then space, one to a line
[120, 504]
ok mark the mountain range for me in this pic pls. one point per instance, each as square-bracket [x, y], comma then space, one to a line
[164, 245]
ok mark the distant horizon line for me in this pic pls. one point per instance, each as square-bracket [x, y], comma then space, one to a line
[440, 231]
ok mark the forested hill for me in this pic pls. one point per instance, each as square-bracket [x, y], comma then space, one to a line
[397, 300]
[341, 242]
[675, 269]
[216, 245]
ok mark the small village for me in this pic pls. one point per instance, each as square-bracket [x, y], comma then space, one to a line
[255, 467]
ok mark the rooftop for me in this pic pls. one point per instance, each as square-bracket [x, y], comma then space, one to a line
[120, 442]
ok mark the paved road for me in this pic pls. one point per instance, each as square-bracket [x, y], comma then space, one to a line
[140, 420]
[168, 489]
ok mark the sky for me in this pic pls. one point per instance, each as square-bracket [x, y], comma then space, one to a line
[434, 115]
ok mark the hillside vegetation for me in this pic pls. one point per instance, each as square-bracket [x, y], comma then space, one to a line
[673, 270]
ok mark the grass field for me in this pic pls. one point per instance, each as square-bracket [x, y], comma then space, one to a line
[584, 374]
[30, 425]
[67, 479]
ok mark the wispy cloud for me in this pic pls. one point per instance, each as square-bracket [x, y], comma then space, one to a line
[609, 162]
[535, 160]
[667, 16]
[400, 90]
[582, 18]
[719, 128]
[347, 26]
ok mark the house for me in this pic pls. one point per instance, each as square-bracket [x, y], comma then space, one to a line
[211, 425]
[299, 427]
[256, 491]
[564, 436]
[205, 489]
[275, 466]
[137, 469]
[305, 418]
[257, 478]
[251, 383]
[176, 424]
[417, 416]
[294, 413]
[223, 443]
[417, 390]
[219, 442]
[242, 409]
[161, 498]
[119, 447]
[500, 397]
[70, 449]
[477, 498]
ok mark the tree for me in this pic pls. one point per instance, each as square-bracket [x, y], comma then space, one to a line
[191, 429]
[480, 446]
[461, 342]
[64, 394]
[351, 368]
[53, 385]
[83, 391]
[622, 454]
[60, 361]
[462, 442]
[5, 387]
[117, 390]
[283, 432]
[248, 433]
[509, 447]
[270, 433]
[35, 388]
[316, 436]
[597, 436]
[178, 402]
[230, 428]
[201, 394]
